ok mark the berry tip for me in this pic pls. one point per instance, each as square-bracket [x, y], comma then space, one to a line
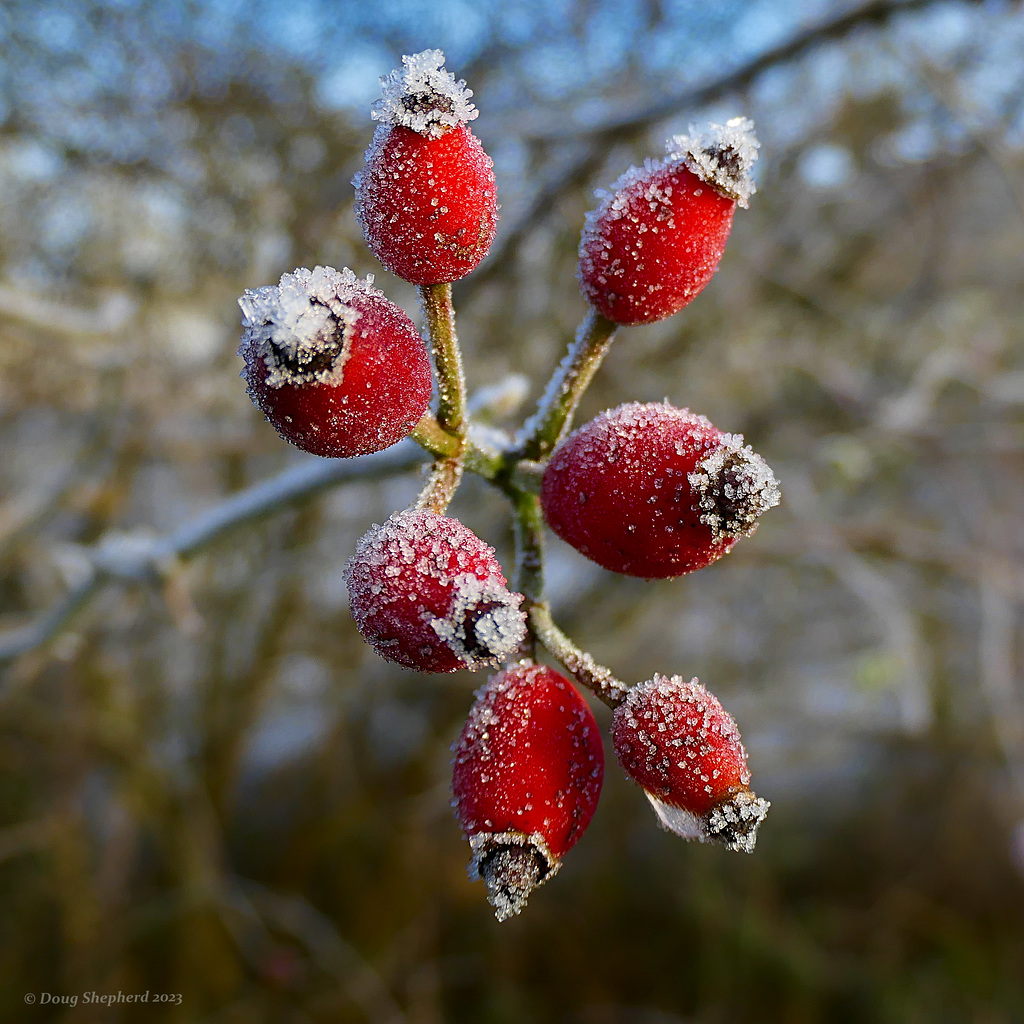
[722, 156]
[510, 874]
[422, 96]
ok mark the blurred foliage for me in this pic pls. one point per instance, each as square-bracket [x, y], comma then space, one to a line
[211, 787]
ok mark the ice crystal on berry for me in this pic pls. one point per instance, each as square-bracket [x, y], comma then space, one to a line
[613, 202]
[657, 236]
[426, 198]
[338, 369]
[302, 327]
[484, 624]
[423, 96]
[651, 490]
[526, 780]
[723, 156]
[511, 865]
[734, 823]
[733, 486]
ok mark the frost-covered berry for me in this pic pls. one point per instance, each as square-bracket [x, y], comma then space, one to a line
[675, 739]
[654, 491]
[428, 593]
[337, 368]
[658, 234]
[527, 776]
[426, 199]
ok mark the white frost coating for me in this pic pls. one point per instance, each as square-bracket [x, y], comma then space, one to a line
[301, 328]
[613, 202]
[735, 822]
[484, 624]
[510, 863]
[423, 96]
[676, 819]
[722, 156]
[733, 486]
[732, 824]
[483, 843]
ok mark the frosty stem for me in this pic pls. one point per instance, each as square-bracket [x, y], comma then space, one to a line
[528, 527]
[529, 581]
[580, 665]
[436, 300]
[443, 481]
[442, 445]
[570, 380]
[429, 434]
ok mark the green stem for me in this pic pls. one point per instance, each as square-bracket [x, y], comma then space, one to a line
[517, 473]
[429, 434]
[528, 579]
[442, 482]
[436, 300]
[442, 445]
[556, 409]
[529, 538]
[446, 474]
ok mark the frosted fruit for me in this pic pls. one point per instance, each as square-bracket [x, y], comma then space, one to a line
[655, 491]
[527, 776]
[426, 199]
[336, 368]
[427, 593]
[658, 234]
[675, 739]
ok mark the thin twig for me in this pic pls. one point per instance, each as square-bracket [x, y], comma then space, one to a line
[326, 947]
[20, 641]
[896, 621]
[597, 142]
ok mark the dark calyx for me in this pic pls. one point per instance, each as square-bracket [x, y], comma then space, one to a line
[427, 102]
[727, 158]
[474, 645]
[315, 358]
[511, 873]
[736, 496]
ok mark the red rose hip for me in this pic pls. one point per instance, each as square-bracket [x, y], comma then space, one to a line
[426, 199]
[676, 740]
[527, 776]
[337, 368]
[658, 234]
[651, 490]
[427, 593]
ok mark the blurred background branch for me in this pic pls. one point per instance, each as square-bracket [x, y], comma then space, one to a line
[135, 557]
